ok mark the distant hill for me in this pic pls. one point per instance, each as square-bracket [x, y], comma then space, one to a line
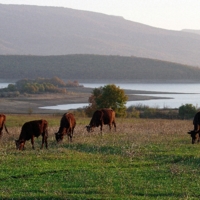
[192, 31]
[36, 30]
[94, 68]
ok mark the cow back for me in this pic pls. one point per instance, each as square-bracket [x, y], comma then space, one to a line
[33, 128]
[67, 122]
[108, 115]
[96, 118]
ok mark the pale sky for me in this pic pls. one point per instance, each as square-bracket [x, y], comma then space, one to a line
[167, 14]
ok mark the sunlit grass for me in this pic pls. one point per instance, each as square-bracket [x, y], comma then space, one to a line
[144, 159]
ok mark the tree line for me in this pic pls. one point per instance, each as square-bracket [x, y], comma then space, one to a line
[96, 68]
[37, 86]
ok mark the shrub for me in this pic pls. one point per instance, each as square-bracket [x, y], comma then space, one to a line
[187, 111]
[132, 112]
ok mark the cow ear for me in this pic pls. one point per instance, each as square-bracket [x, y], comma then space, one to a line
[190, 132]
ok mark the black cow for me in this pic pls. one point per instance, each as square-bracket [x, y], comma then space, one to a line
[100, 117]
[30, 130]
[195, 133]
[2, 124]
[67, 125]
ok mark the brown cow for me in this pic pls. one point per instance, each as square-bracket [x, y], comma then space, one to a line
[100, 117]
[67, 125]
[195, 134]
[30, 130]
[2, 124]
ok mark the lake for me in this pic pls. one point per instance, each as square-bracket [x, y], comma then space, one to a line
[190, 94]
[4, 85]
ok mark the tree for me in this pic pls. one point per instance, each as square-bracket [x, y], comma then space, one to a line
[109, 96]
[11, 87]
[187, 111]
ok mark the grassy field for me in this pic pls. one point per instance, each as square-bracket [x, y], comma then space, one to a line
[144, 159]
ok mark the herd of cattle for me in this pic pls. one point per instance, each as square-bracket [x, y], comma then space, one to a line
[100, 117]
[36, 128]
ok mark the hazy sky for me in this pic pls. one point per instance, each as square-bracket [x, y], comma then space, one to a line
[167, 14]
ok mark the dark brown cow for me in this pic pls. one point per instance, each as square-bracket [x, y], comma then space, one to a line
[195, 134]
[2, 124]
[30, 130]
[100, 117]
[67, 125]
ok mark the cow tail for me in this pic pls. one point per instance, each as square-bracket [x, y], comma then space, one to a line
[6, 129]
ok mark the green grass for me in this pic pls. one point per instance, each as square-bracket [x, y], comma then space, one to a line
[144, 159]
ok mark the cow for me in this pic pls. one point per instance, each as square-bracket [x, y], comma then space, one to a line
[100, 117]
[195, 133]
[2, 124]
[67, 125]
[30, 130]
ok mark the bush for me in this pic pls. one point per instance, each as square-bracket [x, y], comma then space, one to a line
[132, 112]
[187, 111]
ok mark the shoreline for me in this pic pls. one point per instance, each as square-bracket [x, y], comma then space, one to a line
[30, 103]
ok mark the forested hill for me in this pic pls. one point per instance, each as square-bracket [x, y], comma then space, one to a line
[95, 68]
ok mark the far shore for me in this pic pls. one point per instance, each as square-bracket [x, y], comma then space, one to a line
[30, 103]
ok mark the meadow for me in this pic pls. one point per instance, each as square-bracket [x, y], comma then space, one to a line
[143, 159]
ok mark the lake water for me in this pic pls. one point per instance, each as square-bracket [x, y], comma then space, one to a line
[190, 94]
[4, 85]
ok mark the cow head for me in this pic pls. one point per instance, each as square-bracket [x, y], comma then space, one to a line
[59, 136]
[194, 135]
[20, 144]
[89, 128]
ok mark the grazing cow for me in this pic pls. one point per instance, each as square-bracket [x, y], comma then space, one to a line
[2, 124]
[195, 134]
[67, 125]
[100, 117]
[30, 130]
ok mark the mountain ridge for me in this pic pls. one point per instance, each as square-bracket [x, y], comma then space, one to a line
[37, 30]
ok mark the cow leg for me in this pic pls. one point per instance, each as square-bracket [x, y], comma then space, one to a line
[70, 137]
[72, 132]
[32, 142]
[1, 132]
[109, 127]
[44, 140]
[69, 134]
[101, 128]
[46, 136]
[114, 125]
